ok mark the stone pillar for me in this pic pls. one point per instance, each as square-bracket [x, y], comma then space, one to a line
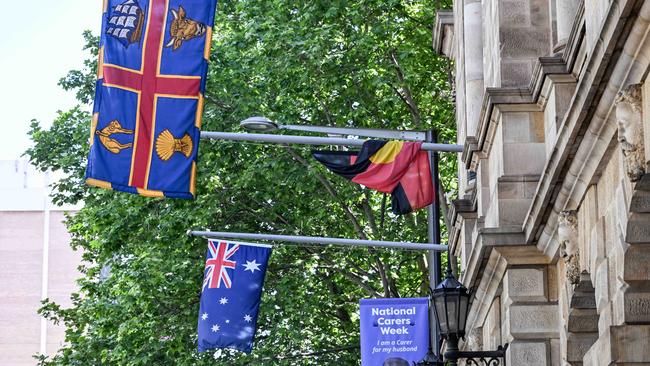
[515, 163]
[492, 327]
[516, 33]
[646, 122]
[565, 11]
[580, 326]
[636, 249]
[559, 100]
[595, 12]
[473, 43]
[531, 319]
[461, 120]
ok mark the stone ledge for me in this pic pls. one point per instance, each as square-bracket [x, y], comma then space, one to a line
[583, 321]
[578, 345]
[533, 321]
[444, 18]
[637, 230]
[529, 353]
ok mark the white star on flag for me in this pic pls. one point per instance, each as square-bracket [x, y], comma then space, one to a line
[215, 328]
[248, 318]
[227, 321]
[223, 301]
[204, 316]
[252, 266]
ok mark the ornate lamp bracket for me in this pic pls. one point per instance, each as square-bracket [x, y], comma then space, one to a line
[485, 358]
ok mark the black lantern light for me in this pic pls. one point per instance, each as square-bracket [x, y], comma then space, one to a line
[451, 304]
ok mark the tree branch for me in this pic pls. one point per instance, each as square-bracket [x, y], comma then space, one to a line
[407, 95]
[424, 274]
[311, 354]
[328, 187]
[218, 103]
[341, 314]
[370, 216]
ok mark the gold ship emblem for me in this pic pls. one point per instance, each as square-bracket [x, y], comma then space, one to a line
[167, 145]
[109, 143]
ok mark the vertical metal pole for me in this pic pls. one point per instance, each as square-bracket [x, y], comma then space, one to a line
[434, 258]
[452, 353]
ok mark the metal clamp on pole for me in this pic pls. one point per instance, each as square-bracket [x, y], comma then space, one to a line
[316, 240]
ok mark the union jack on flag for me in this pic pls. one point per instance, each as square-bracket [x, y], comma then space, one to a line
[218, 263]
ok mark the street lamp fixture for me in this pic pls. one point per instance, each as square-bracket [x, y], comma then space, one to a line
[451, 305]
[259, 124]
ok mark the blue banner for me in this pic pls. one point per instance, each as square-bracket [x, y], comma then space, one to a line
[153, 62]
[394, 332]
[232, 290]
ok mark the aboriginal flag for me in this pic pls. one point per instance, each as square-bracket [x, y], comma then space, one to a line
[396, 167]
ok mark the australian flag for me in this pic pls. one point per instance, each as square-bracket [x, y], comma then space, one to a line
[232, 289]
[153, 60]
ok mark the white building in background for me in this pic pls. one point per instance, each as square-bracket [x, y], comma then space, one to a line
[36, 262]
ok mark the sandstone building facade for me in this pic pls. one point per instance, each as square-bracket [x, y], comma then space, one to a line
[553, 224]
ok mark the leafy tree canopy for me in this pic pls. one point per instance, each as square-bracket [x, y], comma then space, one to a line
[362, 63]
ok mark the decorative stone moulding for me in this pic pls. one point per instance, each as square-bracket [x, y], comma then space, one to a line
[567, 233]
[475, 339]
[630, 130]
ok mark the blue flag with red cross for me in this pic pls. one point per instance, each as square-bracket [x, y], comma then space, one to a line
[232, 291]
[153, 61]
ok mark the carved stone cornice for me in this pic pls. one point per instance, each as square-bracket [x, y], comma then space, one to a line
[460, 210]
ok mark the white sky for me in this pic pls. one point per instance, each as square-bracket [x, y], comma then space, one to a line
[40, 41]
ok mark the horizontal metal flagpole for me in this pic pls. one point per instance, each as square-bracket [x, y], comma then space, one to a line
[365, 132]
[319, 240]
[311, 140]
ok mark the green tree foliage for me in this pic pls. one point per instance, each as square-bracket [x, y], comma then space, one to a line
[364, 63]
